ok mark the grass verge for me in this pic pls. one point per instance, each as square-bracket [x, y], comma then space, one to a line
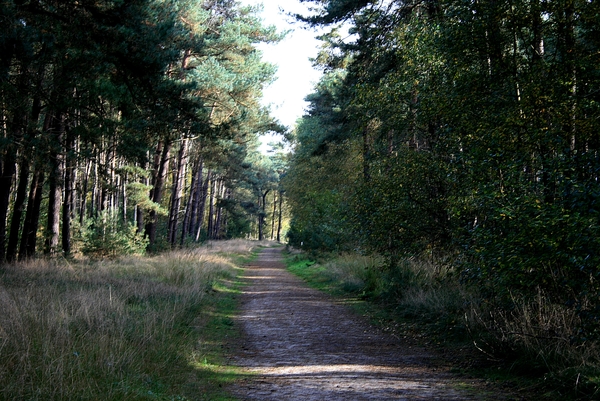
[133, 328]
[520, 352]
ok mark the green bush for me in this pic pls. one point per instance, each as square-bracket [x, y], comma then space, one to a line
[108, 236]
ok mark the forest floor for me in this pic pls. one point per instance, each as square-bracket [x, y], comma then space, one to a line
[300, 344]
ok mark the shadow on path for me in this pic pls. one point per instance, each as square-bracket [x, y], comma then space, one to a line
[299, 344]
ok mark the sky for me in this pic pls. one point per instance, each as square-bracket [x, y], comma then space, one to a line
[295, 76]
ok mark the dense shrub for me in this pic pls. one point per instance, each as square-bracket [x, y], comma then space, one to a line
[107, 235]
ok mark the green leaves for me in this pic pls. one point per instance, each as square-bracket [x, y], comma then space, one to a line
[476, 126]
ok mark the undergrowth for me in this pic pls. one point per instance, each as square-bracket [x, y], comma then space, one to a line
[132, 328]
[528, 342]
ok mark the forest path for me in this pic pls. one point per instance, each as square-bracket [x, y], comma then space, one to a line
[300, 344]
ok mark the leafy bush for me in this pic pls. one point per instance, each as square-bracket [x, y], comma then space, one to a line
[108, 236]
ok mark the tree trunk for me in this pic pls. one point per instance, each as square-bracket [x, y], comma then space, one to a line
[176, 193]
[161, 165]
[274, 215]
[21, 195]
[211, 210]
[203, 195]
[67, 211]
[139, 213]
[55, 182]
[19, 205]
[261, 215]
[32, 216]
[219, 215]
[196, 192]
[279, 217]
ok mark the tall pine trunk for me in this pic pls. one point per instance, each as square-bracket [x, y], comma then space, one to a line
[177, 192]
[202, 204]
[18, 206]
[161, 164]
[274, 215]
[32, 215]
[55, 181]
[69, 177]
[279, 217]
[262, 214]
[211, 209]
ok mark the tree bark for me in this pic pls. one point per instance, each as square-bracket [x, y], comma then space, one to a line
[32, 216]
[161, 165]
[21, 195]
[280, 216]
[185, 229]
[202, 205]
[274, 215]
[176, 193]
[261, 215]
[211, 209]
[18, 206]
[55, 182]
[196, 193]
[69, 176]
[219, 214]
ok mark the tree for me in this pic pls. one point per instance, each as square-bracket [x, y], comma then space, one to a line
[475, 124]
[93, 94]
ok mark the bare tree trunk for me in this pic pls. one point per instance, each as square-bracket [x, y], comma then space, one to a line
[18, 206]
[195, 195]
[55, 182]
[261, 214]
[202, 205]
[161, 165]
[218, 217]
[211, 209]
[279, 217]
[139, 213]
[185, 229]
[21, 195]
[83, 192]
[68, 194]
[274, 215]
[176, 193]
[32, 216]
[198, 191]
[8, 158]
[7, 172]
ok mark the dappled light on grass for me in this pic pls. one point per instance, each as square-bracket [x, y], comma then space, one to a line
[112, 330]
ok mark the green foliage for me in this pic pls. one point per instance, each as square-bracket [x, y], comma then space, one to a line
[108, 236]
[475, 129]
[396, 214]
[109, 98]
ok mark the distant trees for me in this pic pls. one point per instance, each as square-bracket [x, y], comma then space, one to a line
[146, 110]
[475, 129]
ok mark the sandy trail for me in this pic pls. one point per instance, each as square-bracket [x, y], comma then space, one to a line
[302, 345]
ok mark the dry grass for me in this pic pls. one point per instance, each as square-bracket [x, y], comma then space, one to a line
[355, 273]
[105, 330]
[542, 330]
[530, 337]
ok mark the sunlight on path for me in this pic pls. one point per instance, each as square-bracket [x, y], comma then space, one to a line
[301, 345]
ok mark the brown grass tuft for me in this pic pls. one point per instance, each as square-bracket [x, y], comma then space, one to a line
[109, 330]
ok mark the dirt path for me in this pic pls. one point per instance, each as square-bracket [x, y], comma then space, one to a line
[301, 345]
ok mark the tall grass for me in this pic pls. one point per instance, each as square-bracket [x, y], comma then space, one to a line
[532, 337]
[110, 330]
